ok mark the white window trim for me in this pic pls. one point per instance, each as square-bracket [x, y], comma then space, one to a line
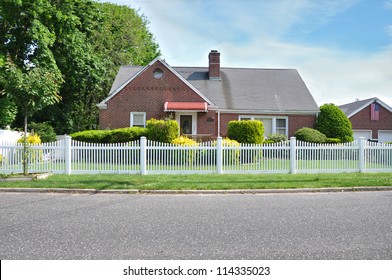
[194, 120]
[273, 118]
[138, 113]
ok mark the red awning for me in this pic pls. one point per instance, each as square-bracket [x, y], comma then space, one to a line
[186, 106]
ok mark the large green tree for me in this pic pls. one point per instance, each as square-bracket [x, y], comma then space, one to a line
[82, 40]
[74, 24]
[123, 39]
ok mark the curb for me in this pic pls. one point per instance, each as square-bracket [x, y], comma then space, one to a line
[192, 192]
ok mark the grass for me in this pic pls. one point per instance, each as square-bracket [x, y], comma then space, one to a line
[206, 182]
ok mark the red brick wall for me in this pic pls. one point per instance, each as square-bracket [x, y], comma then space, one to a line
[299, 121]
[207, 123]
[146, 94]
[225, 118]
[361, 120]
[295, 122]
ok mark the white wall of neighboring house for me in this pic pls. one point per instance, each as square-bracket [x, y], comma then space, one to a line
[362, 133]
[9, 135]
[385, 136]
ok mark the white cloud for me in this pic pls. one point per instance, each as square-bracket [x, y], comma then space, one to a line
[332, 76]
[389, 30]
[388, 4]
[251, 34]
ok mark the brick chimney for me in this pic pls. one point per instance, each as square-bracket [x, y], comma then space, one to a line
[214, 65]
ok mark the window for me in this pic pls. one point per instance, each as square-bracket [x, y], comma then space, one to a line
[272, 125]
[138, 119]
[281, 126]
[158, 73]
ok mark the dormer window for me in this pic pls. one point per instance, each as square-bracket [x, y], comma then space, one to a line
[158, 73]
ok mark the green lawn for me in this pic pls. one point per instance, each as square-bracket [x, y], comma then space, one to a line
[207, 181]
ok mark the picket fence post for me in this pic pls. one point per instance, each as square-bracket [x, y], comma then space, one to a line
[293, 155]
[362, 142]
[143, 155]
[67, 154]
[219, 155]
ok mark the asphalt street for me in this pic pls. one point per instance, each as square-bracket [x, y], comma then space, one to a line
[354, 225]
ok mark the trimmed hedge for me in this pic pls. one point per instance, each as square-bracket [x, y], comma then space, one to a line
[276, 138]
[307, 134]
[119, 135]
[334, 123]
[248, 132]
[333, 141]
[162, 131]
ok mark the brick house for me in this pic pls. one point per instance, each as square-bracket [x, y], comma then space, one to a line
[204, 99]
[370, 118]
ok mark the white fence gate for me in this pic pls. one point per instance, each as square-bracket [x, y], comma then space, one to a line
[68, 156]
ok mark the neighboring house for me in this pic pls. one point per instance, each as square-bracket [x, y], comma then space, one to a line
[204, 99]
[370, 118]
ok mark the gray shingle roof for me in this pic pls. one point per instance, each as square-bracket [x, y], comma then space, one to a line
[244, 89]
[351, 109]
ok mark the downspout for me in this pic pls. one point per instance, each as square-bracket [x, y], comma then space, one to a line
[219, 124]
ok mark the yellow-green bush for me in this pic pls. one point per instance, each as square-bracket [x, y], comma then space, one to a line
[31, 139]
[32, 154]
[187, 156]
[182, 140]
[233, 155]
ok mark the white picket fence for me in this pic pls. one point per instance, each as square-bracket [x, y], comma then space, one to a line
[68, 156]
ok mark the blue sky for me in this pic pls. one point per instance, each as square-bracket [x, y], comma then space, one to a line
[341, 48]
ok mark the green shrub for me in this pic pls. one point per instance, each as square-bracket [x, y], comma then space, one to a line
[334, 123]
[119, 135]
[162, 131]
[248, 132]
[122, 135]
[275, 138]
[333, 140]
[44, 130]
[90, 136]
[307, 134]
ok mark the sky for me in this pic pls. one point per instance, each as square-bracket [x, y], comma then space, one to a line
[341, 48]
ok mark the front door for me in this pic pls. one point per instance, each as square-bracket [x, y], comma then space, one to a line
[186, 124]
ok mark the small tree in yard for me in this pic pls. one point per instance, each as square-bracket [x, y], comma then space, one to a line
[334, 123]
[31, 90]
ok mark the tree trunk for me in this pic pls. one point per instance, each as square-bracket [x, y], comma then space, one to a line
[25, 151]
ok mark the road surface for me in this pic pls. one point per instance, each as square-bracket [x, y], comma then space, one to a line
[268, 226]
